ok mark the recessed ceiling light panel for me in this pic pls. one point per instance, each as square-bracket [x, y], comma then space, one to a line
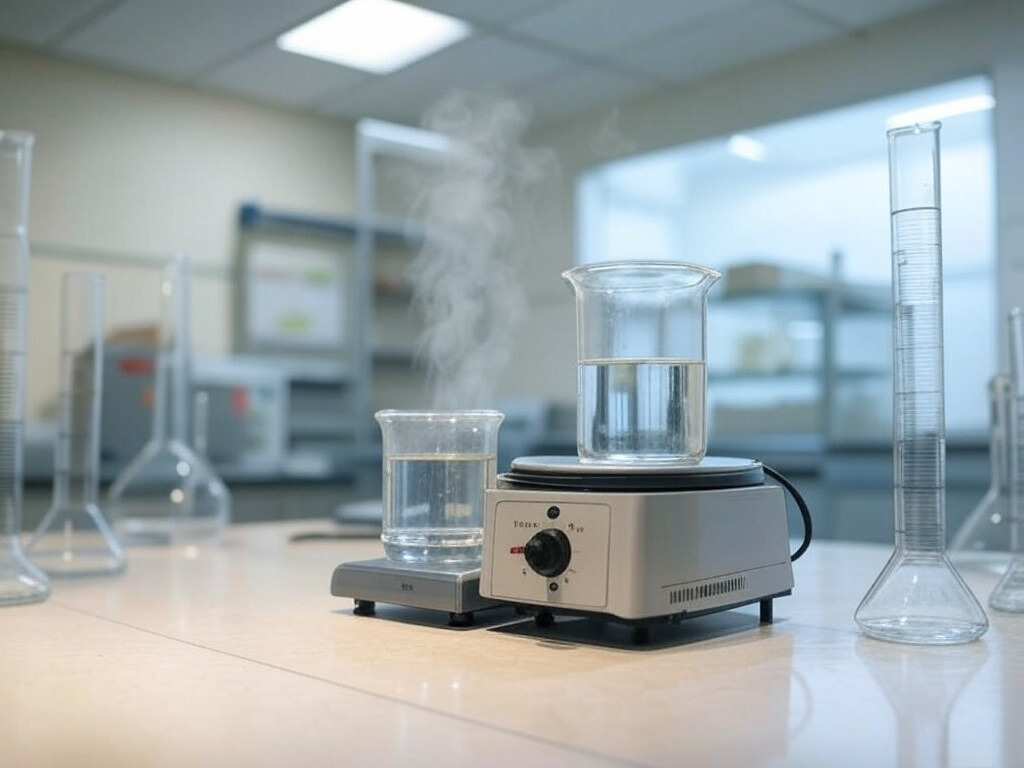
[377, 36]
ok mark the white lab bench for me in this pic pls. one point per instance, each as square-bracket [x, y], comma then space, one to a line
[238, 655]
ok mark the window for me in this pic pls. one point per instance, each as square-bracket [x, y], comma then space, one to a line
[797, 217]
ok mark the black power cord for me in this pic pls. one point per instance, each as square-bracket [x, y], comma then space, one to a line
[805, 512]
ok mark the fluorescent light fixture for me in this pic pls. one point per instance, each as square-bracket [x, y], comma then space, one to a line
[377, 36]
[747, 148]
[942, 111]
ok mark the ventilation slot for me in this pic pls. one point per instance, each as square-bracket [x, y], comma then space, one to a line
[709, 589]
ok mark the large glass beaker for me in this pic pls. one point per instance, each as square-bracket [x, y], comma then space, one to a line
[641, 360]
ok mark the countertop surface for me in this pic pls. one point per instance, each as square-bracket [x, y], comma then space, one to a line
[238, 654]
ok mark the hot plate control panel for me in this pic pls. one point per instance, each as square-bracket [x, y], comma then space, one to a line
[548, 552]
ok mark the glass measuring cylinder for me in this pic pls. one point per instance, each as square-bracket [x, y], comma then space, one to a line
[1008, 594]
[20, 580]
[918, 597]
[437, 465]
[74, 538]
[983, 539]
[168, 494]
[641, 360]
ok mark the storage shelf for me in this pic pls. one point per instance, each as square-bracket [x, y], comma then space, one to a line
[789, 331]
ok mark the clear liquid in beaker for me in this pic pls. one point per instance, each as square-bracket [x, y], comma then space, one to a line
[434, 507]
[642, 410]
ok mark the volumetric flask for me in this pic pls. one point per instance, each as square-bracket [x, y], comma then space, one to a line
[983, 540]
[641, 360]
[20, 580]
[168, 494]
[1008, 594]
[74, 539]
[437, 465]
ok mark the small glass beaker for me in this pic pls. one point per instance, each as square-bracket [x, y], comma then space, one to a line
[437, 465]
[641, 360]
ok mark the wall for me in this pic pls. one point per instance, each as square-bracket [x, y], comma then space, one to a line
[980, 37]
[128, 171]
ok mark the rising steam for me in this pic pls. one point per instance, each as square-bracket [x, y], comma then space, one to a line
[465, 276]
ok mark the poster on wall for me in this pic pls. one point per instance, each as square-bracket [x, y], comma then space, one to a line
[295, 296]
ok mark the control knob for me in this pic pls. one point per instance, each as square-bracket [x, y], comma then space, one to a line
[548, 552]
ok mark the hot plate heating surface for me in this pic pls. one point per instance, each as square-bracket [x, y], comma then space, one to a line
[571, 473]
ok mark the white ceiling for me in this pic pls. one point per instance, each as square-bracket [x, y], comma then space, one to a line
[561, 57]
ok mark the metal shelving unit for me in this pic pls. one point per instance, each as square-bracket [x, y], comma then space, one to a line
[800, 388]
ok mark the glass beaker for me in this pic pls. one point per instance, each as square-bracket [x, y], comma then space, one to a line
[641, 360]
[437, 465]
[20, 580]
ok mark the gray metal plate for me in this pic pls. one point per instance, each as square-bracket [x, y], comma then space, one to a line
[417, 586]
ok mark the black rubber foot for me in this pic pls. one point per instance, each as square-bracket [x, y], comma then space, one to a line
[460, 619]
[641, 635]
[365, 608]
[767, 612]
[544, 618]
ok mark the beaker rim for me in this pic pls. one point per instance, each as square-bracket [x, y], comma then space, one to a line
[441, 414]
[925, 127]
[590, 275]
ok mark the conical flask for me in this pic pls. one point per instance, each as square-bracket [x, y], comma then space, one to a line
[74, 538]
[983, 539]
[1008, 594]
[168, 494]
[20, 580]
[918, 597]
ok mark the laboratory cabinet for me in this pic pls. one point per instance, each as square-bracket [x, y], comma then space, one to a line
[332, 291]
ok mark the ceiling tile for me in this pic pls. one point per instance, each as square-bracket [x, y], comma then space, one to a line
[478, 63]
[280, 77]
[181, 39]
[724, 42]
[488, 12]
[579, 90]
[864, 13]
[595, 27]
[38, 22]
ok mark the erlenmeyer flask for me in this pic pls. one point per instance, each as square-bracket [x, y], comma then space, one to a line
[168, 494]
[1008, 594]
[918, 597]
[74, 538]
[20, 580]
[983, 539]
